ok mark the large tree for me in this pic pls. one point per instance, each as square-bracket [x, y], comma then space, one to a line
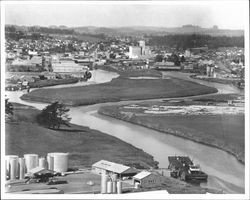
[54, 115]
[8, 108]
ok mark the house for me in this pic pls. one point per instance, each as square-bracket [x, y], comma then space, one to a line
[41, 174]
[147, 179]
[166, 66]
[104, 166]
[40, 171]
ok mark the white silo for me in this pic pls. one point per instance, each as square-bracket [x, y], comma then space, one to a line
[31, 161]
[119, 187]
[13, 169]
[42, 163]
[21, 168]
[114, 182]
[114, 186]
[50, 162]
[104, 183]
[60, 161]
[8, 158]
[109, 187]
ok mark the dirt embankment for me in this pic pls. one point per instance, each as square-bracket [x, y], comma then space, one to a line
[226, 140]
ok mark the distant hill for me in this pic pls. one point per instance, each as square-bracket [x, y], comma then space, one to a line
[59, 31]
[150, 30]
[133, 30]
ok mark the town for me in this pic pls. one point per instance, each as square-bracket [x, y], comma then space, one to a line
[35, 56]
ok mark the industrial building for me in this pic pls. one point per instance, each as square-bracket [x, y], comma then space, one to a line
[166, 66]
[17, 167]
[139, 52]
[104, 166]
[146, 179]
[210, 70]
[67, 67]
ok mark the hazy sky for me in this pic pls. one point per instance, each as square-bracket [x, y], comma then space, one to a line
[224, 14]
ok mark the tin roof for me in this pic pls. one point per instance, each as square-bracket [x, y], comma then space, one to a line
[111, 166]
[40, 170]
[142, 175]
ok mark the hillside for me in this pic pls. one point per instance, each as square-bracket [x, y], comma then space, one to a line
[132, 30]
[149, 30]
[85, 146]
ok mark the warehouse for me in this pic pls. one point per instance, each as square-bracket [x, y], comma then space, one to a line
[104, 166]
[147, 179]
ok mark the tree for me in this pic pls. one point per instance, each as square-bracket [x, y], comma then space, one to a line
[8, 108]
[158, 58]
[54, 115]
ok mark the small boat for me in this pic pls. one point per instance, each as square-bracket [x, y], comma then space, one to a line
[182, 167]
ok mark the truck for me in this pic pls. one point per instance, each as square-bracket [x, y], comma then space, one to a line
[182, 167]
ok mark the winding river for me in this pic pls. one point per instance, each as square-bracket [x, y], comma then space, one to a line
[225, 172]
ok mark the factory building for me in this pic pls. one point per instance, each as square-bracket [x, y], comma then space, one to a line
[166, 66]
[146, 179]
[67, 66]
[139, 52]
[210, 70]
[104, 166]
[16, 167]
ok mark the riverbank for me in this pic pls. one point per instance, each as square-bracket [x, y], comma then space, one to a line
[52, 82]
[85, 146]
[120, 89]
[223, 130]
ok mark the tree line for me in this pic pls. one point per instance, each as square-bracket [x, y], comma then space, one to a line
[196, 40]
[52, 116]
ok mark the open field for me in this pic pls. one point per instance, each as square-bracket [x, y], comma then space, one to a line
[119, 89]
[86, 146]
[215, 127]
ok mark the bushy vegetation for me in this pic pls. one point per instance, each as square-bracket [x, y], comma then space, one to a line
[54, 115]
[8, 109]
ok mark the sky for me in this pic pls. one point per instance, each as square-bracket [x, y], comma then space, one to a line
[225, 14]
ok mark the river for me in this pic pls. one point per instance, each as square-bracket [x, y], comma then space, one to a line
[225, 172]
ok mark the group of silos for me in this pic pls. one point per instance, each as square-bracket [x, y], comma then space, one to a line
[16, 167]
[110, 184]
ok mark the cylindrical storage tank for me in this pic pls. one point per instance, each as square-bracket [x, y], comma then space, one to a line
[119, 187]
[21, 168]
[6, 170]
[109, 187]
[42, 163]
[104, 183]
[8, 158]
[31, 161]
[50, 162]
[60, 161]
[13, 169]
[114, 186]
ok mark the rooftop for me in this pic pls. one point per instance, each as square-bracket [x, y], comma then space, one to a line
[110, 166]
[142, 175]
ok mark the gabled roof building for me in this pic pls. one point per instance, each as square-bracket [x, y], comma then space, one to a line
[104, 166]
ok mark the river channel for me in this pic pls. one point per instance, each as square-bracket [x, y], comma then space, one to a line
[225, 172]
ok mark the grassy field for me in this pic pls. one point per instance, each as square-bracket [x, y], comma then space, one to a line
[224, 131]
[119, 89]
[86, 146]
